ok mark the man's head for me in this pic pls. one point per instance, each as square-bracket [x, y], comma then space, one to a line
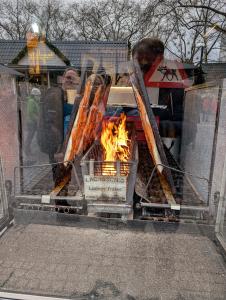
[71, 79]
[35, 92]
[146, 51]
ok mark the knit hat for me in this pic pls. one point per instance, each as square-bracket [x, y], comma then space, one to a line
[35, 92]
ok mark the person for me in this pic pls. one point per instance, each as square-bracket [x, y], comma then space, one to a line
[124, 80]
[55, 113]
[56, 109]
[70, 85]
[33, 106]
[147, 52]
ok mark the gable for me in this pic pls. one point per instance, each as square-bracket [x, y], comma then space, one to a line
[42, 55]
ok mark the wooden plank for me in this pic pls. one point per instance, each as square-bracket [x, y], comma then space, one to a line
[94, 119]
[167, 189]
[151, 131]
[148, 131]
[85, 122]
[76, 131]
[88, 120]
[60, 186]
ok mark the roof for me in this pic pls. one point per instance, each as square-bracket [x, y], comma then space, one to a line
[10, 71]
[10, 49]
[74, 51]
[214, 71]
[107, 51]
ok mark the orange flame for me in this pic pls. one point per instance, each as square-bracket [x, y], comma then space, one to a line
[115, 143]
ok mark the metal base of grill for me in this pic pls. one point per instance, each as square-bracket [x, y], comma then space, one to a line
[151, 200]
[24, 217]
[113, 193]
[125, 211]
[189, 209]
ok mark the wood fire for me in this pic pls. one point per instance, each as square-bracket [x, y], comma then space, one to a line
[115, 143]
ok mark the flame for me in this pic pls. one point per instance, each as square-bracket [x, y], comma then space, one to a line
[115, 143]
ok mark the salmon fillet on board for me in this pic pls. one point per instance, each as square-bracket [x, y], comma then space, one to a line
[88, 133]
[78, 126]
[95, 117]
[149, 134]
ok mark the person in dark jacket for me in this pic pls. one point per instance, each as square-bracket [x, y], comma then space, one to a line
[55, 113]
[147, 51]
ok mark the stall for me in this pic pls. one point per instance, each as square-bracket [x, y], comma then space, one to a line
[114, 163]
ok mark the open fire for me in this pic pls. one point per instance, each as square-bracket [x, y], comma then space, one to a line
[115, 143]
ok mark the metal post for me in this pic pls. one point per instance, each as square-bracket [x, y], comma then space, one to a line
[91, 167]
[118, 168]
[48, 79]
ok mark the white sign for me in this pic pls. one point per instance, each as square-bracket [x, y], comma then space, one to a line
[105, 187]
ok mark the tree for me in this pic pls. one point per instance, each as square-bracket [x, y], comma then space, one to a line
[17, 16]
[216, 7]
[193, 37]
[190, 29]
[115, 20]
[14, 20]
[54, 19]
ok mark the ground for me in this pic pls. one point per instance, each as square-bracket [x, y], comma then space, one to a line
[110, 264]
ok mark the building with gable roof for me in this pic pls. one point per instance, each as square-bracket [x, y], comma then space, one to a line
[43, 62]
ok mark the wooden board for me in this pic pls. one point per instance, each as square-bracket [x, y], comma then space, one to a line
[84, 127]
[78, 127]
[60, 186]
[151, 131]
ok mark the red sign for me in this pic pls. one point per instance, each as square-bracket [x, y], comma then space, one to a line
[166, 73]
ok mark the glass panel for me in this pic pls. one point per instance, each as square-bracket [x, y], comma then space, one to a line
[112, 144]
[219, 182]
[4, 214]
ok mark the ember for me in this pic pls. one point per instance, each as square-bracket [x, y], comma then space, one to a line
[115, 143]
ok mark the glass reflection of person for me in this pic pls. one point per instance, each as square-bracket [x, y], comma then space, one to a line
[55, 113]
[70, 84]
[33, 104]
[147, 52]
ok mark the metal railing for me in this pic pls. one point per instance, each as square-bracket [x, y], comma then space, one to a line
[185, 191]
[35, 187]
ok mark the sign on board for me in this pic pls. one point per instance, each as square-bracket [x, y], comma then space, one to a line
[104, 187]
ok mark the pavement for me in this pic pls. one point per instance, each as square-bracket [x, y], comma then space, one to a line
[85, 263]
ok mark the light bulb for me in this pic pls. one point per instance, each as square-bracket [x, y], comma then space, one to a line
[35, 28]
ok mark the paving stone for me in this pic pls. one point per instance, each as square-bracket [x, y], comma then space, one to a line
[62, 261]
[33, 285]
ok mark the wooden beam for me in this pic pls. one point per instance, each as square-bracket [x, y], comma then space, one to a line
[152, 135]
[60, 186]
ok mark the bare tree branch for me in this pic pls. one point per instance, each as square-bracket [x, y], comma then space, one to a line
[219, 12]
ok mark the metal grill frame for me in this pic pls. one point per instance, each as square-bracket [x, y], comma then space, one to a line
[144, 203]
[92, 164]
[35, 202]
